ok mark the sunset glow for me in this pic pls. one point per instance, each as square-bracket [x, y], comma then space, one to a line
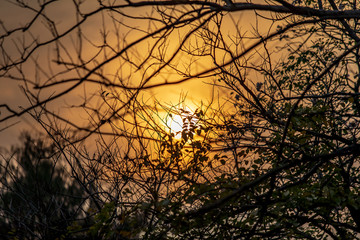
[179, 120]
[175, 125]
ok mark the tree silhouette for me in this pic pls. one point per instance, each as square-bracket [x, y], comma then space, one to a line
[38, 200]
[274, 155]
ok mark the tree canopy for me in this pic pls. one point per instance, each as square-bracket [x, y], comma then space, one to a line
[273, 153]
[38, 199]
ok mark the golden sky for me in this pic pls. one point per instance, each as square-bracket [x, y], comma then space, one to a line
[120, 34]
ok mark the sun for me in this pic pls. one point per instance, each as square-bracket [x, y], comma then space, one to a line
[174, 123]
[178, 120]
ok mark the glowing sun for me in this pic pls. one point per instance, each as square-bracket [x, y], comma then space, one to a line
[175, 124]
[179, 120]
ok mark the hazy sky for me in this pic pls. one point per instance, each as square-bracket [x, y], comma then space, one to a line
[62, 13]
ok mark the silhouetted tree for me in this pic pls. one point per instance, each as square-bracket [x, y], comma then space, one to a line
[39, 200]
[275, 155]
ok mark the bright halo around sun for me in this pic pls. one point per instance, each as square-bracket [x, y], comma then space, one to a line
[175, 124]
[177, 120]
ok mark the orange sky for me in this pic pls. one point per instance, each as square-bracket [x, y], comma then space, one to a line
[195, 90]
